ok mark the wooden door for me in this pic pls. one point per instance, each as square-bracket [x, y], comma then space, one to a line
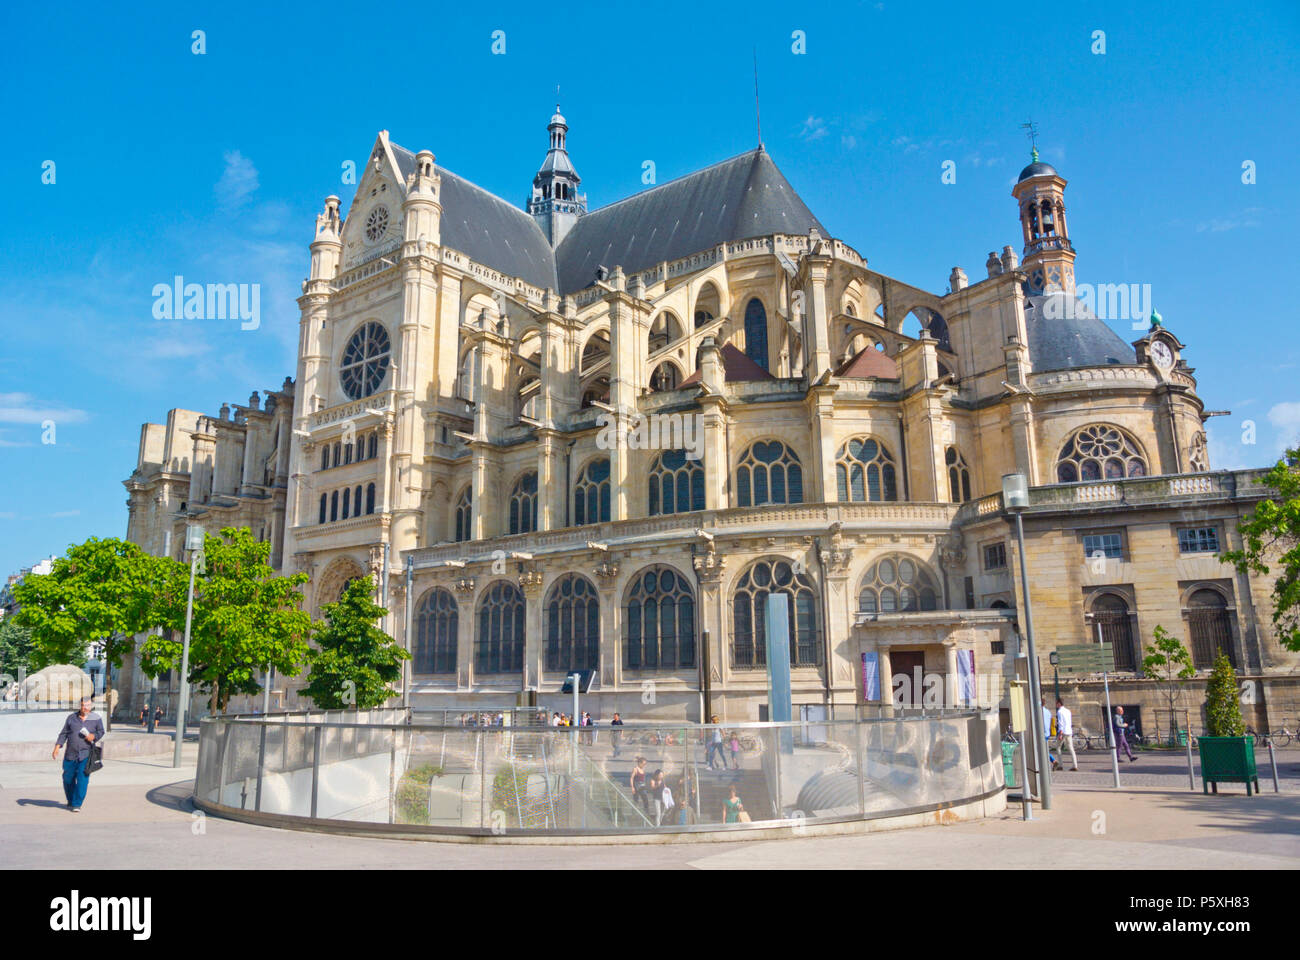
[907, 682]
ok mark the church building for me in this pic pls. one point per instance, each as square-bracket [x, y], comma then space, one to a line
[565, 439]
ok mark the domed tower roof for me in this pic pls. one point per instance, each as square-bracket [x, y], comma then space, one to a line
[1037, 169]
[1064, 335]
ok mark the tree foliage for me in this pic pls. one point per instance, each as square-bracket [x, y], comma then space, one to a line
[101, 590]
[355, 662]
[246, 618]
[15, 647]
[1168, 660]
[1223, 701]
[1271, 535]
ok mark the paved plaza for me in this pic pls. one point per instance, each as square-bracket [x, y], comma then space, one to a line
[140, 810]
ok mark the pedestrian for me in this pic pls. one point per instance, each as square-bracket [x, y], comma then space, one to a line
[1047, 732]
[80, 731]
[158, 716]
[656, 791]
[555, 719]
[732, 808]
[616, 736]
[637, 783]
[1065, 733]
[144, 716]
[1121, 740]
[715, 744]
[735, 750]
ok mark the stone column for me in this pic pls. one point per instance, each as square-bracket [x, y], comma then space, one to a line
[611, 623]
[711, 616]
[530, 582]
[464, 588]
[950, 667]
[886, 680]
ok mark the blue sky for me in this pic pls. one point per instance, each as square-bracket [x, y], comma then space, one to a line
[213, 166]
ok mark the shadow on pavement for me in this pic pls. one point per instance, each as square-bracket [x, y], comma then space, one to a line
[26, 802]
[174, 796]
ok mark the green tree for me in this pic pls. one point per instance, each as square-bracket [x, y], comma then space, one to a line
[101, 590]
[246, 618]
[1168, 660]
[1223, 700]
[15, 647]
[356, 662]
[1272, 534]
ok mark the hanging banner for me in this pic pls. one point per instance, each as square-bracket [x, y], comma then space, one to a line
[966, 676]
[871, 676]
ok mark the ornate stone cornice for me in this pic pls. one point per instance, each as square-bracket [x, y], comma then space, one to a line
[464, 586]
[530, 582]
[709, 565]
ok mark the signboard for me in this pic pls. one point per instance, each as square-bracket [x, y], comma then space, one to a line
[870, 676]
[1087, 658]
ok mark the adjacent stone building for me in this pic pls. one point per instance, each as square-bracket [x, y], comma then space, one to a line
[598, 440]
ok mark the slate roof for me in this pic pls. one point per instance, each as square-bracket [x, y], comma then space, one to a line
[488, 229]
[1064, 334]
[746, 196]
[1037, 169]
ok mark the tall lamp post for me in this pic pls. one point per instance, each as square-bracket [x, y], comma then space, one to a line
[194, 544]
[1015, 499]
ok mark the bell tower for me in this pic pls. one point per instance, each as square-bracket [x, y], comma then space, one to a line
[555, 203]
[1048, 256]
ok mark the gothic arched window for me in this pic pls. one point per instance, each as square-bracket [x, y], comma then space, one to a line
[769, 472]
[1100, 451]
[958, 476]
[465, 515]
[1210, 626]
[1111, 612]
[898, 584]
[373, 446]
[591, 494]
[659, 629]
[749, 615]
[572, 625]
[347, 495]
[356, 501]
[325, 457]
[323, 500]
[864, 471]
[437, 623]
[370, 498]
[665, 377]
[756, 332]
[334, 505]
[665, 329]
[499, 641]
[523, 504]
[676, 484]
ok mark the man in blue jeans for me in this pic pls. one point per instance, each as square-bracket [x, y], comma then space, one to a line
[80, 730]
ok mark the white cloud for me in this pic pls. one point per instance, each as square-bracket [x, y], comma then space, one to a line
[1285, 418]
[814, 128]
[238, 180]
[1248, 217]
[22, 408]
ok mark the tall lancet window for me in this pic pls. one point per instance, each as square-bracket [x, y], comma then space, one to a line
[756, 332]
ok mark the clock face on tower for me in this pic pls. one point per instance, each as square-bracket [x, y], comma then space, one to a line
[1161, 355]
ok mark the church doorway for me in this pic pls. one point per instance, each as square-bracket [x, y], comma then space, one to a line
[908, 685]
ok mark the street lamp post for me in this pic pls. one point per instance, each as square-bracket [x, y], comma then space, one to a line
[194, 544]
[1015, 498]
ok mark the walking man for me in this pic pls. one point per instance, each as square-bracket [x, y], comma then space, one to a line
[1065, 734]
[715, 745]
[80, 730]
[1121, 741]
[616, 736]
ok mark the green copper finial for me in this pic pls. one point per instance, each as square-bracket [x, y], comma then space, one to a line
[1035, 154]
[1156, 319]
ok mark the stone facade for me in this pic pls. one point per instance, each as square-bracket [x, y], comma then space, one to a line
[529, 413]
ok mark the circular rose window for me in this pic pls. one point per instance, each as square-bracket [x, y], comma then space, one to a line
[377, 224]
[365, 361]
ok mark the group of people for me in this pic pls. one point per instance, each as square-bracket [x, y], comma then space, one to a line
[144, 716]
[1065, 733]
[482, 720]
[674, 805]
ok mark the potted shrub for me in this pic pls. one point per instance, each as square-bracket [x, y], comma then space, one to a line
[1227, 754]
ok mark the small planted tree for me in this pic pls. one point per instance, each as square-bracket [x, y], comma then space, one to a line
[1223, 701]
[355, 662]
[1168, 660]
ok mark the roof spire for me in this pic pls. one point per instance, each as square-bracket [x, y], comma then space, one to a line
[1031, 129]
[758, 114]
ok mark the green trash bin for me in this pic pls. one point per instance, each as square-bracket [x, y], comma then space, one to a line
[1009, 763]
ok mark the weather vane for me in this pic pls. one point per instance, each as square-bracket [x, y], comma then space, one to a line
[1032, 133]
